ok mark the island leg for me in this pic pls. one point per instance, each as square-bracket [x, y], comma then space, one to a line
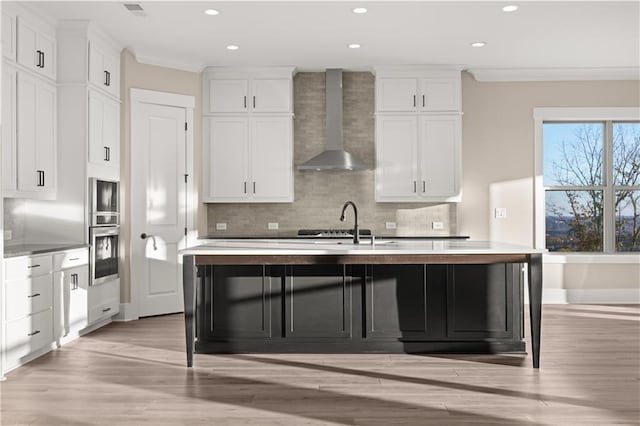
[535, 304]
[189, 276]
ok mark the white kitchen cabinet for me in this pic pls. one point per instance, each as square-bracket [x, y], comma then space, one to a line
[415, 94]
[248, 159]
[36, 138]
[271, 95]
[104, 301]
[104, 131]
[36, 47]
[418, 158]
[9, 130]
[439, 94]
[71, 288]
[397, 94]
[9, 36]
[228, 95]
[104, 68]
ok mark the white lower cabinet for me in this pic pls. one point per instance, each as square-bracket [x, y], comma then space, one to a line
[26, 336]
[104, 301]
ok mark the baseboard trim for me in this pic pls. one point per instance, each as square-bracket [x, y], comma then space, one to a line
[127, 313]
[558, 296]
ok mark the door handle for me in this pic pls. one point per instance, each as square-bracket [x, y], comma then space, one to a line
[39, 64]
[424, 186]
[423, 100]
[254, 186]
[33, 334]
[414, 100]
[107, 78]
[144, 236]
[245, 187]
[245, 101]
[415, 186]
[107, 153]
[42, 66]
[40, 174]
[106, 310]
[254, 102]
[31, 296]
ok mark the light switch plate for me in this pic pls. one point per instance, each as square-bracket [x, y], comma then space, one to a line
[221, 226]
[390, 225]
[500, 213]
[437, 225]
[273, 225]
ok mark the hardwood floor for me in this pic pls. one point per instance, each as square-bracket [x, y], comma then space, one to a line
[134, 373]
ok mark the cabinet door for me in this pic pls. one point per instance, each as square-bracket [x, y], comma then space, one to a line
[28, 177]
[75, 287]
[27, 45]
[227, 158]
[111, 132]
[9, 36]
[112, 68]
[97, 75]
[271, 95]
[9, 147]
[228, 95]
[317, 302]
[271, 159]
[396, 148]
[397, 94]
[46, 131]
[439, 157]
[97, 147]
[440, 95]
[47, 45]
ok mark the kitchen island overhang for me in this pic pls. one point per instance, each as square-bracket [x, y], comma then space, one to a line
[226, 253]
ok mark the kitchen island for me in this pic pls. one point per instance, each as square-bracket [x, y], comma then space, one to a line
[411, 296]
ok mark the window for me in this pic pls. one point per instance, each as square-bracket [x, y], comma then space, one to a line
[591, 180]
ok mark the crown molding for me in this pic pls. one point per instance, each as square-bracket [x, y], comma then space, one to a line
[180, 65]
[555, 74]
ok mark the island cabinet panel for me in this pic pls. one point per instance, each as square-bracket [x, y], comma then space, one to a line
[235, 302]
[317, 302]
[483, 302]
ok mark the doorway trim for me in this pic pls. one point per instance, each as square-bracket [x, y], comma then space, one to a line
[130, 311]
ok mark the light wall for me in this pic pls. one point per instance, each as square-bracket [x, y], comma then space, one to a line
[498, 167]
[150, 77]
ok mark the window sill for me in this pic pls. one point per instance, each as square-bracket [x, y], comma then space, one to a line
[601, 258]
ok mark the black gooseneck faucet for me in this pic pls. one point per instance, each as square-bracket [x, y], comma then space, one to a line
[356, 230]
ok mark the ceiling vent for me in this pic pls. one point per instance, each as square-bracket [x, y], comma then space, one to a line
[135, 9]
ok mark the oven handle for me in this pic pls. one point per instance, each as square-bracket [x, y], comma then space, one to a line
[101, 231]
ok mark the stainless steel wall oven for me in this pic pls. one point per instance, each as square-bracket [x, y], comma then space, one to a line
[104, 253]
[105, 208]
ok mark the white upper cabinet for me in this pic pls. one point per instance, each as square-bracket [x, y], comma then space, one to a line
[104, 68]
[36, 47]
[248, 135]
[104, 131]
[9, 36]
[265, 90]
[36, 141]
[417, 90]
[418, 134]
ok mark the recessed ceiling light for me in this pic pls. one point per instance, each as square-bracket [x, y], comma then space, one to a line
[354, 46]
[232, 47]
[212, 12]
[360, 10]
[478, 44]
[510, 8]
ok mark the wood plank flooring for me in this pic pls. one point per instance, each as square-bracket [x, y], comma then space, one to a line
[134, 374]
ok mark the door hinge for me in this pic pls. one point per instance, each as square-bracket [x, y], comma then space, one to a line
[185, 127]
[186, 177]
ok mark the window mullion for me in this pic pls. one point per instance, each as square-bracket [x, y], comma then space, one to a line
[608, 219]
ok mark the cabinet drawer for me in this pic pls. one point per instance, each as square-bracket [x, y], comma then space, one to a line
[28, 335]
[25, 297]
[104, 310]
[70, 259]
[28, 266]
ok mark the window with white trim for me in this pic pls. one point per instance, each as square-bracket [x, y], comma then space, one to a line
[591, 180]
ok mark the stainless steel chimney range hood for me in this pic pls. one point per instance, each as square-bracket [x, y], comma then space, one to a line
[334, 157]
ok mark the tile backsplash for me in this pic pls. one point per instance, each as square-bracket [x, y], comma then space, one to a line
[319, 196]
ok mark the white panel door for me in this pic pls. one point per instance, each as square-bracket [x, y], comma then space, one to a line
[396, 150]
[46, 131]
[27, 92]
[271, 95]
[158, 183]
[227, 158]
[439, 152]
[397, 94]
[9, 146]
[271, 159]
[228, 95]
[440, 95]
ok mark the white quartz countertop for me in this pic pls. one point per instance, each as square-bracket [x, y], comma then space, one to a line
[346, 247]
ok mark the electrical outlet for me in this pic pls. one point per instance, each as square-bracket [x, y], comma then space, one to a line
[500, 213]
[8, 234]
[273, 225]
[390, 225]
[437, 225]
[221, 226]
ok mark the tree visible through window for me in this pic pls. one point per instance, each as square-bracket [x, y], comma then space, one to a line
[592, 186]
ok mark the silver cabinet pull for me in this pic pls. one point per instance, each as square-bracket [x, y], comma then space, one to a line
[254, 102]
[414, 100]
[75, 258]
[424, 186]
[106, 310]
[37, 265]
[33, 333]
[245, 101]
[254, 186]
[33, 295]
[423, 100]
[415, 186]
[245, 187]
